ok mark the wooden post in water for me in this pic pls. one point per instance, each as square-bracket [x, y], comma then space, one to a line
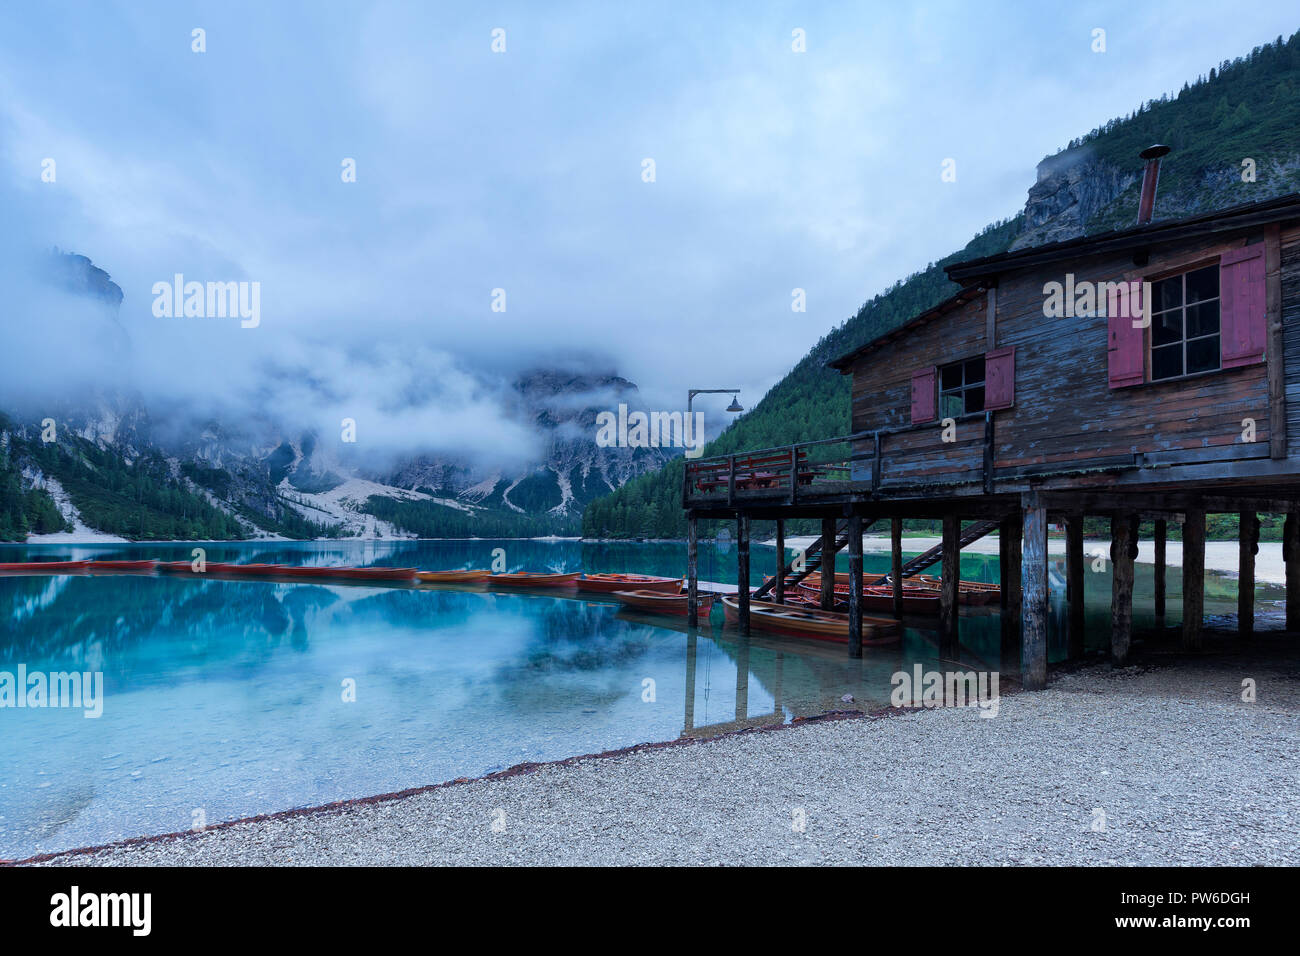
[1247, 548]
[855, 586]
[1009, 545]
[1033, 578]
[1161, 574]
[692, 570]
[691, 654]
[828, 564]
[948, 639]
[1193, 578]
[1291, 553]
[1121, 591]
[1074, 582]
[742, 571]
[896, 563]
[780, 561]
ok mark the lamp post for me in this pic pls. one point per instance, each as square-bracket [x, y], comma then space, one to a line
[692, 552]
[734, 408]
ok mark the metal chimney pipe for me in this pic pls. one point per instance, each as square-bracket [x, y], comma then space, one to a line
[1150, 177]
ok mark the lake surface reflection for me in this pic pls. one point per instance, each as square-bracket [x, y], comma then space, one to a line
[226, 698]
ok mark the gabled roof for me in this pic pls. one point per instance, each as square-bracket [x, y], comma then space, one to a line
[1118, 240]
[943, 308]
[977, 275]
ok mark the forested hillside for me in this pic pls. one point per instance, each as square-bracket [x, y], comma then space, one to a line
[1246, 108]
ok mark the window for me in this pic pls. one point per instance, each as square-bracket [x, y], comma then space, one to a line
[961, 388]
[1185, 324]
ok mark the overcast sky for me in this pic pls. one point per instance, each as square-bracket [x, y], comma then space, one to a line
[523, 170]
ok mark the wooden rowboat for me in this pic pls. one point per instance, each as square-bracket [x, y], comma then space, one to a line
[609, 583]
[881, 598]
[43, 567]
[811, 622]
[452, 577]
[118, 566]
[661, 602]
[968, 592]
[533, 579]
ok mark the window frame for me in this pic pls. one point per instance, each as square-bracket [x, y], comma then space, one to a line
[1182, 273]
[966, 386]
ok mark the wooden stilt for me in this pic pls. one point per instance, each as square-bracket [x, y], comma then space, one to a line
[1193, 579]
[1291, 553]
[896, 563]
[1010, 573]
[1121, 593]
[1247, 548]
[855, 586]
[742, 571]
[1161, 574]
[691, 654]
[742, 680]
[828, 564]
[1033, 577]
[1074, 583]
[948, 639]
[780, 561]
[692, 571]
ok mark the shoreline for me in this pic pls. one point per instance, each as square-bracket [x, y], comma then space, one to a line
[860, 789]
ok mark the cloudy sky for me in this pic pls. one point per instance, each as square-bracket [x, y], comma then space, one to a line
[523, 170]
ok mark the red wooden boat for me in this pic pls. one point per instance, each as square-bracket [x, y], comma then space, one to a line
[812, 622]
[533, 579]
[452, 577]
[118, 566]
[609, 583]
[351, 574]
[661, 602]
[881, 598]
[43, 567]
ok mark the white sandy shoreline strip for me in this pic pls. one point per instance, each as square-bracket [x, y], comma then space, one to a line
[1219, 555]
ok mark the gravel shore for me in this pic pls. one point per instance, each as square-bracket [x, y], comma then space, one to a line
[1182, 769]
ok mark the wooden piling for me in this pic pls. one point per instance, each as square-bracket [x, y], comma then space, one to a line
[692, 571]
[1009, 551]
[780, 561]
[691, 654]
[1193, 578]
[742, 571]
[1074, 583]
[1161, 531]
[896, 563]
[855, 586]
[1121, 592]
[1033, 578]
[1291, 554]
[1247, 548]
[828, 564]
[948, 638]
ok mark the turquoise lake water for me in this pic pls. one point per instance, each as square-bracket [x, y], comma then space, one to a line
[226, 697]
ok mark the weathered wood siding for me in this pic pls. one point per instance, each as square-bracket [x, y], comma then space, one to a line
[1065, 413]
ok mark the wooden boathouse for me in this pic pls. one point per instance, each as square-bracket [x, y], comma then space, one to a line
[1150, 373]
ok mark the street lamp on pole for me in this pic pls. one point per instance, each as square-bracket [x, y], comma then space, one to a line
[734, 408]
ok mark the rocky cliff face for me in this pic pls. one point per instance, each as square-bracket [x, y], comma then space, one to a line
[1071, 192]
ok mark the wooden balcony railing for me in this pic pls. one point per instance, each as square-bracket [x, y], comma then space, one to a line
[869, 460]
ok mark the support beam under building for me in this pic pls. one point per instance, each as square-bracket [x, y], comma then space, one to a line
[1247, 548]
[828, 564]
[1193, 579]
[1074, 583]
[1291, 554]
[1161, 573]
[1033, 578]
[780, 561]
[948, 587]
[1123, 549]
[855, 586]
[1009, 544]
[896, 563]
[692, 571]
[742, 571]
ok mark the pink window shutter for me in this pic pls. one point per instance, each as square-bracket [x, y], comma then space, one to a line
[1125, 344]
[1000, 378]
[1243, 320]
[924, 399]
